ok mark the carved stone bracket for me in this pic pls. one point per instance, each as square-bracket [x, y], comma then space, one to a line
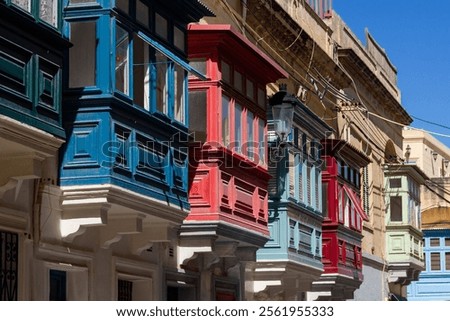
[75, 219]
[118, 226]
[151, 233]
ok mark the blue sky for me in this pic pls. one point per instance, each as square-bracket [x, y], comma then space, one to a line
[416, 37]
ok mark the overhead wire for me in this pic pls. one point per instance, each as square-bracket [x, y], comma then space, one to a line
[332, 90]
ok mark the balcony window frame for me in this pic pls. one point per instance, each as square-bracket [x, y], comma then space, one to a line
[437, 245]
[34, 10]
[161, 100]
[244, 145]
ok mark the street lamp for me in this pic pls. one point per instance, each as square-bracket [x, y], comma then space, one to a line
[282, 114]
[283, 105]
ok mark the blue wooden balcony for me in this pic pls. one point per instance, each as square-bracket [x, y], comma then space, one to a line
[30, 69]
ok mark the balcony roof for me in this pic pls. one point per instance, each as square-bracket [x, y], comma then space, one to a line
[227, 42]
[409, 169]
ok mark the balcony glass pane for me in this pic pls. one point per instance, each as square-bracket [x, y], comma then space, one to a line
[179, 93]
[197, 115]
[82, 55]
[161, 63]
[238, 80]
[226, 72]
[24, 4]
[238, 127]
[141, 73]
[161, 26]
[122, 70]
[225, 121]
[447, 241]
[250, 137]
[250, 90]
[435, 261]
[395, 183]
[434, 242]
[396, 208]
[178, 38]
[142, 13]
[49, 11]
[261, 97]
[291, 171]
[122, 5]
[325, 199]
[262, 144]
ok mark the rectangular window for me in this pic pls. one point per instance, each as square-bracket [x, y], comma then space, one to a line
[305, 242]
[347, 208]
[9, 247]
[447, 241]
[161, 82]
[226, 72]
[24, 4]
[238, 127]
[225, 121]
[261, 97]
[238, 81]
[262, 142]
[395, 183]
[291, 171]
[292, 224]
[179, 93]
[142, 13]
[318, 251]
[352, 214]
[447, 261]
[122, 69]
[396, 208]
[317, 185]
[250, 90]
[141, 73]
[199, 65]
[124, 290]
[435, 261]
[435, 242]
[250, 137]
[49, 11]
[300, 179]
[341, 204]
[122, 5]
[325, 199]
[161, 26]
[82, 55]
[197, 115]
[58, 285]
[178, 38]
[308, 184]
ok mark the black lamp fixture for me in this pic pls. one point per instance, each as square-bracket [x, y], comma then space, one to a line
[282, 105]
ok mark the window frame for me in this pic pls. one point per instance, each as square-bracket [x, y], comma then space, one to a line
[167, 110]
[34, 10]
[245, 145]
[437, 245]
